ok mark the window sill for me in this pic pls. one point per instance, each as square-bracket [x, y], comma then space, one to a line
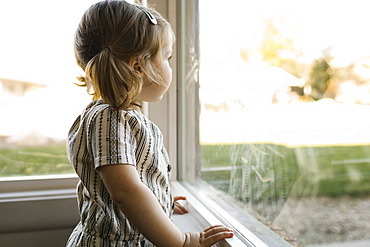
[37, 183]
[200, 217]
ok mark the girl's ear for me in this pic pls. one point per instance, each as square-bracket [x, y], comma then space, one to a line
[135, 65]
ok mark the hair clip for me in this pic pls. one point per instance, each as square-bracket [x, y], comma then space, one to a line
[149, 15]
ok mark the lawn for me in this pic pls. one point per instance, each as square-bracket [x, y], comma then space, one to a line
[243, 169]
[27, 161]
[320, 171]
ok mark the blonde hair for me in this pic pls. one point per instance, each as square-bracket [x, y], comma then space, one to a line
[110, 34]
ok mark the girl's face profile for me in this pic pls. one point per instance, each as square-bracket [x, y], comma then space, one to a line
[152, 92]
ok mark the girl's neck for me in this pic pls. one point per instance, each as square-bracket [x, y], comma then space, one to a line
[136, 106]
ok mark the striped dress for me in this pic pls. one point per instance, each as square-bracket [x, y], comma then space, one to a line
[102, 136]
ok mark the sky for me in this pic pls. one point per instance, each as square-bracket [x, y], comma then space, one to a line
[37, 36]
[37, 39]
[316, 25]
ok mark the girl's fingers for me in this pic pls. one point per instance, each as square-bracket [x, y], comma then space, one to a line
[176, 198]
[179, 209]
[208, 237]
[213, 234]
[211, 227]
[214, 230]
[211, 240]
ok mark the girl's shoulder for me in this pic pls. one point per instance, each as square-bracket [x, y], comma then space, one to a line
[99, 109]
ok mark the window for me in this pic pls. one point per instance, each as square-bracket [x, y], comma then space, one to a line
[278, 125]
[258, 142]
[38, 101]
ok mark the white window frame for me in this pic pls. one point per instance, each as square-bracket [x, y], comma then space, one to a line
[181, 133]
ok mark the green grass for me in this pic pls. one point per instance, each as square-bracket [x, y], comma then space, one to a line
[275, 170]
[26, 161]
[272, 170]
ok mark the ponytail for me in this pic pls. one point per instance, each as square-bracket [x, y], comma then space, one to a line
[111, 79]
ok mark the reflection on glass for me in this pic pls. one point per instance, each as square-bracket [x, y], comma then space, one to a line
[284, 127]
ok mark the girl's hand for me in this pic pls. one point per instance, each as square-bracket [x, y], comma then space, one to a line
[207, 237]
[178, 208]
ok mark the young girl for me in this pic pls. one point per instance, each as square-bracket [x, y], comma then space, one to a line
[124, 190]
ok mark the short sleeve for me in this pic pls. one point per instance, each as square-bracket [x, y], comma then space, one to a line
[113, 140]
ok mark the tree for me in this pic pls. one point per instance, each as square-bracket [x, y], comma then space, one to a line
[278, 48]
[319, 78]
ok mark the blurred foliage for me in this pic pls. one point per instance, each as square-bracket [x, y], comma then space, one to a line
[320, 79]
[278, 49]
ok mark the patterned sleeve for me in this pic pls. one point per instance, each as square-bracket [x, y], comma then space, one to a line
[113, 140]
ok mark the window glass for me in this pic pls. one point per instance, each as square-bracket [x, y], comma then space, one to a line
[284, 130]
[38, 98]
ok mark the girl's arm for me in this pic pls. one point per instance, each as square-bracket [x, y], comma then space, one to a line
[143, 210]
